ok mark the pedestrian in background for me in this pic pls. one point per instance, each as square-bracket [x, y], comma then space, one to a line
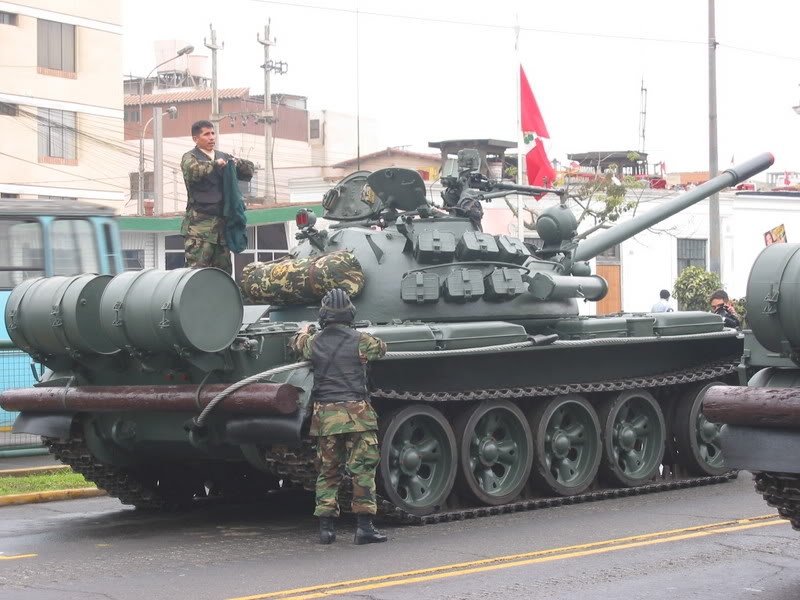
[663, 303]
[203, 227]
[343, 420]
[721, 305]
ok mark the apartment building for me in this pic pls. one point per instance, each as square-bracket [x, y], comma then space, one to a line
[60, 104]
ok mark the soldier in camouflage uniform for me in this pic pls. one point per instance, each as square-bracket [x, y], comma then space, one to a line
[203, 227]
[343, 421]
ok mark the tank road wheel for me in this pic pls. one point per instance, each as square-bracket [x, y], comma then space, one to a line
[697, 438]
[633, 437]
[567, 445]
[418, 465]
[495, 451]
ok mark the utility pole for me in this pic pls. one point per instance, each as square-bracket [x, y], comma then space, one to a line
[713, 160]
[215, 117]
[642, 117]
[267, 114]
[158, 160]
[140, 189]
[280, 68]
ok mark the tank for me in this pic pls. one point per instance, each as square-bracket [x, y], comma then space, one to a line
[495, 395]
[761, 416]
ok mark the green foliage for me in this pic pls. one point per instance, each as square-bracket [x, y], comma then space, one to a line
[693, 288]
[60, 480]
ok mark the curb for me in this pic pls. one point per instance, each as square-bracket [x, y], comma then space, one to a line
[32, 471]
[51, 496]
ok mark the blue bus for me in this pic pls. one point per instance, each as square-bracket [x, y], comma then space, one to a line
[42, 238]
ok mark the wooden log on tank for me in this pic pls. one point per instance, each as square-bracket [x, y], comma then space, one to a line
[254, 399]
[756, 406]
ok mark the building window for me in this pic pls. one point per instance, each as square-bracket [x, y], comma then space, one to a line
[173, 115]
[264, 243]
[7, 18]
[691, 253]
[313, 129]
[149, 185]
[133, 260]
[56, 46]
[8, 110]
[57, 133]
[610, 256]
[131, 115]
[174, 257]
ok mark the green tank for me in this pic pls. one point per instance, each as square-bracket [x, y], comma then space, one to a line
[761, 416]
[495, 395]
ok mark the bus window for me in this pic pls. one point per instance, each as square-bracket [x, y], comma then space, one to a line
[111, 249]
[21, 255]
[74, 247]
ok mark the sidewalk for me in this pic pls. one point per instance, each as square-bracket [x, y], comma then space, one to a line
[27, 462]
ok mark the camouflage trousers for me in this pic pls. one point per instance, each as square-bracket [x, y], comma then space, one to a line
[358, 452]
[201, 253]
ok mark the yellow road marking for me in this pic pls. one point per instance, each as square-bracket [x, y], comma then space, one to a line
[17, 556]
[528, 558]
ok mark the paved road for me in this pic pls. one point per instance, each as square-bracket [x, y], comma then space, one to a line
[654, 547]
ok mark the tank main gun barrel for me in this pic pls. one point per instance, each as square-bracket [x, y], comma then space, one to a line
[601, 242]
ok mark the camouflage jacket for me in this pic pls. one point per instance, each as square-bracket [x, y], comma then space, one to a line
[198, 225]
[346, 417]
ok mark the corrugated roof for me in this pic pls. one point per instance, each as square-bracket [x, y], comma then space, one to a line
[186, 96]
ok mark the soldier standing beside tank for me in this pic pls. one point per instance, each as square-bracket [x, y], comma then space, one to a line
[343, 421]
[203, 227]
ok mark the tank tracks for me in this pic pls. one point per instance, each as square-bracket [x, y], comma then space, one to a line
[298, 465]
[118, 482]
[782, 491]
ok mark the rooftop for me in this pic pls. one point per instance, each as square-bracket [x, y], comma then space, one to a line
[173, 97]
[387, 153]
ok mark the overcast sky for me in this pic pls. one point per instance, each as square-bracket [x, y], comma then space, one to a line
[432, 70]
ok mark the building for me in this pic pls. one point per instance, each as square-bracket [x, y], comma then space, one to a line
[61, 118]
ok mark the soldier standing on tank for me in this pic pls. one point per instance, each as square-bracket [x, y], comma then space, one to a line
[343, 421]
[203, 227]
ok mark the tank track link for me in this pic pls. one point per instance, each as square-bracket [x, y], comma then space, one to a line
[703, 373]
[782, 491]
[118, 482]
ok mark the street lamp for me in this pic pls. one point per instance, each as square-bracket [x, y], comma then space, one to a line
[140, 203]
[157, 156]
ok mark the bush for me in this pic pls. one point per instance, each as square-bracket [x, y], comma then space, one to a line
[693, 288]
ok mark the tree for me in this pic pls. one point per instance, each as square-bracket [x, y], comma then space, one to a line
[694, 286]
[601, 200]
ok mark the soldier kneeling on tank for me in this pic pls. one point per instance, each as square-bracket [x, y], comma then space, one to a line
[343, 420]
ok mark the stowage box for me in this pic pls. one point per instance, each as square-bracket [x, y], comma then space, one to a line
[433, 247]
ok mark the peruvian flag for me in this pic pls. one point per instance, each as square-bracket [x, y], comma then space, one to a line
[540, 171]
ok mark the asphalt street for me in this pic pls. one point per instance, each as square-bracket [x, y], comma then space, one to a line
[716, 542]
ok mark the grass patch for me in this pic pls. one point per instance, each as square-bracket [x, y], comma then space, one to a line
[60, 480]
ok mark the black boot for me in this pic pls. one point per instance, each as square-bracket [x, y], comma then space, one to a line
[366, 532]
[327, 530]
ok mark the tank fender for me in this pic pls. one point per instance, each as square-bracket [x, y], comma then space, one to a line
[54, 425]
[761, 448]
[267, 431]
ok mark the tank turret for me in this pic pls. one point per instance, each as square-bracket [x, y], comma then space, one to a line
[425, 264]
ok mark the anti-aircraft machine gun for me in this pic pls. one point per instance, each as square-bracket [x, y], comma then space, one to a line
[495, 394]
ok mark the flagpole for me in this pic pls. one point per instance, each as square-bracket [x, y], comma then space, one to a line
[520, 138]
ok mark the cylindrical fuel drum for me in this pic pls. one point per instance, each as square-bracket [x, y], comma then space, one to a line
[58, 315]
[773, 295]
[182, 309]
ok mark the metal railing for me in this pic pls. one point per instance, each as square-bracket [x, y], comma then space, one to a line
[15, 372]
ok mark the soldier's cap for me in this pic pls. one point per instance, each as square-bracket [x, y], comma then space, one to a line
[336, 308]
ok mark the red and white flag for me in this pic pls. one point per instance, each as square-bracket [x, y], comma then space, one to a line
[539, 170]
